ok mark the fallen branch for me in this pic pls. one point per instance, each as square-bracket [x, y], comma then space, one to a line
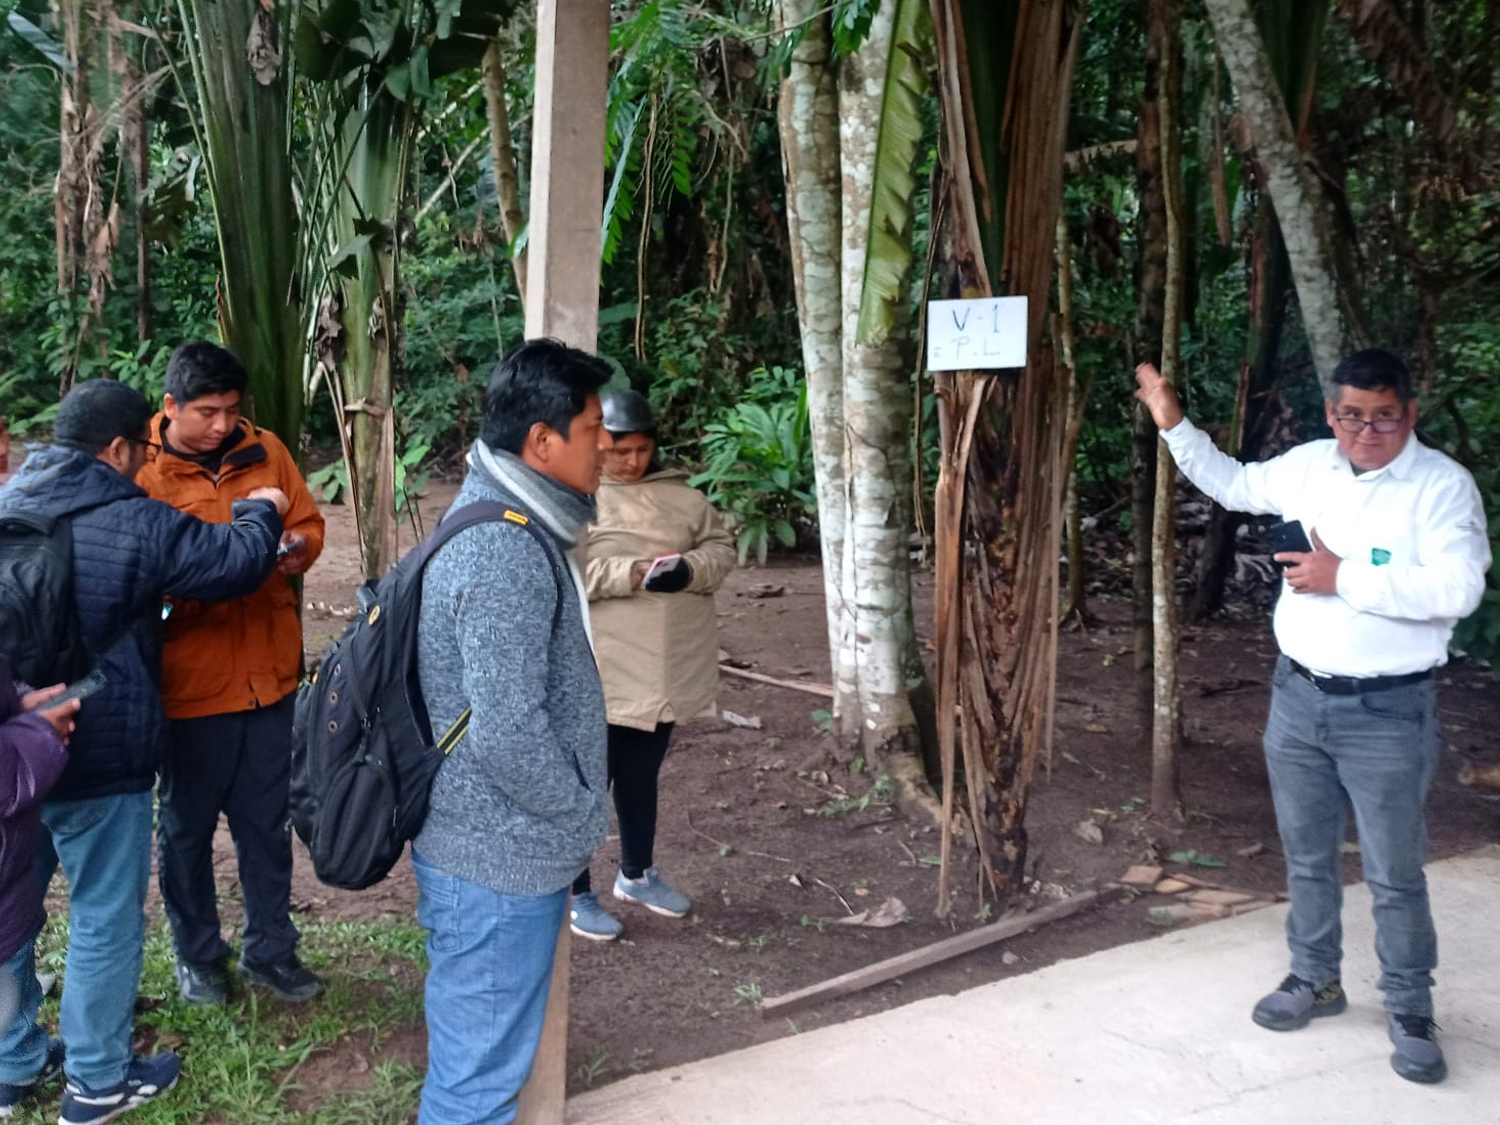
[727, 848]
[811, 688]
[944, 950]
[835, 890]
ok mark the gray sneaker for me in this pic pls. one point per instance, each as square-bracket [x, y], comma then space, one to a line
[1417, 1057]
[589, 920]
[1295, 1003]
[652, 892]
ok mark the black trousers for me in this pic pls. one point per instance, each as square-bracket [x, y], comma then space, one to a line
[635, 758]
[239, 764]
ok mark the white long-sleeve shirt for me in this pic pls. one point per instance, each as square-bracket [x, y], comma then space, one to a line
[1412, 537]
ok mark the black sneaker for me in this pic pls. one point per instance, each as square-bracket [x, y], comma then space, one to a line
[202, 982]
[1417, 1057]
[287, 979]
[13, 1093]
[1295, 1003]
[145, 1081]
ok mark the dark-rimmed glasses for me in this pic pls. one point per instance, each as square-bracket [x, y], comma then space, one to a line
[1354, 424]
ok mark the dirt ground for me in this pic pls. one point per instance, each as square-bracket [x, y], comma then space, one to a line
[775, 854]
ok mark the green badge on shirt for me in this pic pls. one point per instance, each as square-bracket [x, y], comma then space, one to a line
[1379, 556]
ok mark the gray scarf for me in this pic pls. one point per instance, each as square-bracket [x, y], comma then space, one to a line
[563, 511]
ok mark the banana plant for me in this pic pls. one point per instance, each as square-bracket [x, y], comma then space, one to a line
[229, 60]
[372, 71]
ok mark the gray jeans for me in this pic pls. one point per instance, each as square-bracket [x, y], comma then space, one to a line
[1376, 752]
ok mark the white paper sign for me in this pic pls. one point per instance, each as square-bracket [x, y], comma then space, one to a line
[978, 334]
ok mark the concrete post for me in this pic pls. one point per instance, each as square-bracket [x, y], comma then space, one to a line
[562, 300]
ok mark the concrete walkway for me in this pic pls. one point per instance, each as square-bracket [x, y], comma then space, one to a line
[1157, 1032]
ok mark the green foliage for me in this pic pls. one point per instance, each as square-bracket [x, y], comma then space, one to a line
[1462, 416]
[246, 1055]
[893, 195]
[759, 462]
[1194, 858]
[850, 21]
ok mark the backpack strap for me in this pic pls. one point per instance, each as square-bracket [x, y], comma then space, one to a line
[461, 519]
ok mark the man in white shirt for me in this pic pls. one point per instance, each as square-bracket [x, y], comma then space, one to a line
[1399, 556]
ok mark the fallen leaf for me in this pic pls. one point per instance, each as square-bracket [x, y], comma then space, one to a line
[889, 913]
[751, 722]
[765, 590]
[1096, 728]
[1089, 831]
[1250, 851]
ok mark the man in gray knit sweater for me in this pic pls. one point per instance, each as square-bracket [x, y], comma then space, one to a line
[519, 805]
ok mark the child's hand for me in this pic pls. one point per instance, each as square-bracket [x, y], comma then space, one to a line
[61, 716]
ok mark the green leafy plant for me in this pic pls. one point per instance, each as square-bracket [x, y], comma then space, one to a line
[880, 793]
[1196, 859]
[759, 463]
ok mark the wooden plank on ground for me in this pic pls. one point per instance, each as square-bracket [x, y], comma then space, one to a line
[944, 950]
[798, 685]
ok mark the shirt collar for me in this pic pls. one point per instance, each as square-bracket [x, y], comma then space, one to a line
[1400, 467]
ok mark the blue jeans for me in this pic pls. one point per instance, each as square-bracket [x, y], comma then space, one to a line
[1376, 752]
[104, 846]
[490, 958]
[23, 1045]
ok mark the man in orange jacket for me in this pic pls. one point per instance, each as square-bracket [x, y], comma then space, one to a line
[229, 677]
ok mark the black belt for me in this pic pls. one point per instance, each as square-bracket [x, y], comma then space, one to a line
[1357, 685]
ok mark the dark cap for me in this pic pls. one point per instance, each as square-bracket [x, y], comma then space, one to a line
[627, 412]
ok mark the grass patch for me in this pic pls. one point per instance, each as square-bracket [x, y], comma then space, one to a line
[256, 1059]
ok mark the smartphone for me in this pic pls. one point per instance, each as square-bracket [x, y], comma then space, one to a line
[661, 565]
[78, 689]
[1287, 536]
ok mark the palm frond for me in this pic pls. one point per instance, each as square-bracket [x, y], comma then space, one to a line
[888, 260]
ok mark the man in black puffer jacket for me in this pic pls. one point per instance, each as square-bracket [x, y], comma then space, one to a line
[129, 552]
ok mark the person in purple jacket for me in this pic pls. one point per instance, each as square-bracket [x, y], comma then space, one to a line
[33, 752]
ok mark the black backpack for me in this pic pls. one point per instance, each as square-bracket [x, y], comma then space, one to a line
[363, 751]
[39, 627]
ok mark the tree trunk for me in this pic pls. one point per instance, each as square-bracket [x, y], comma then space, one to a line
[1075, 407]
[997, 511]
[876, 424]
[503, 153]
[78, 190]
[135, 147]
[809, 122]
[1330, 322]
[1166, 717]
[1151, 283]
[373, 317]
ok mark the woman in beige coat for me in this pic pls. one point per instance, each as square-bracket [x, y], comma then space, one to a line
[655, 637]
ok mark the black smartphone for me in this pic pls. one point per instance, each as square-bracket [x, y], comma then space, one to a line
[1287, 536]
[78, 689]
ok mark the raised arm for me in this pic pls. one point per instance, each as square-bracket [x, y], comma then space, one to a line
[214, 561]
[1260, 486]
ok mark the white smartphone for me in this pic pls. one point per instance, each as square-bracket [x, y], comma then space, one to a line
[661, 565]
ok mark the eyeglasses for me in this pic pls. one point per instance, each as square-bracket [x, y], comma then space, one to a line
[1354, 424]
